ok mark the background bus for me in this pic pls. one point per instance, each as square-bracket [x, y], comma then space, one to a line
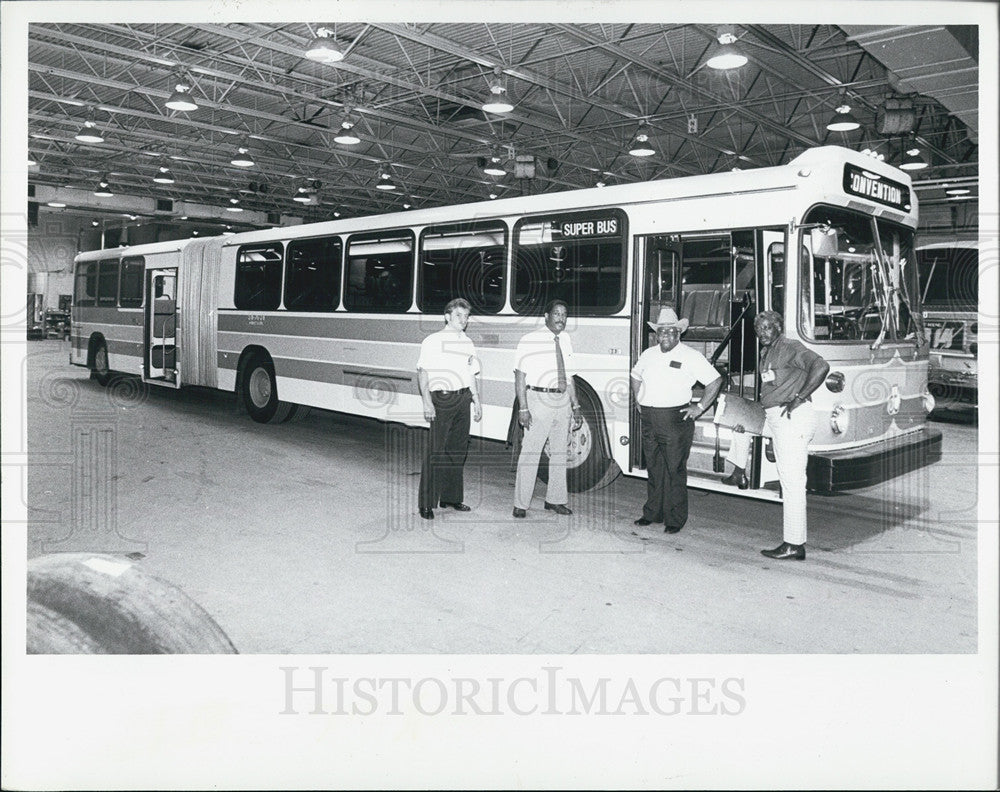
[331, 315]
[949, 288]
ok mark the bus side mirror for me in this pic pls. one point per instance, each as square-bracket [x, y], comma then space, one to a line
[824, 242]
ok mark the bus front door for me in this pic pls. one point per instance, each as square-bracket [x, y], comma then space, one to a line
[161, 338]
[658, 259]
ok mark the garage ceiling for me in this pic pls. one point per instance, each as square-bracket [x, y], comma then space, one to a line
[414, 92]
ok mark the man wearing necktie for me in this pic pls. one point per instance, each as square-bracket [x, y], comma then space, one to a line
[547, 407]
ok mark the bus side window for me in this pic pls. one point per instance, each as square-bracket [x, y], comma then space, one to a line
[465, 260]
[258, 277]
[312, 276]
[380, 272]
[85, 286]
[576, 257]
[107, 282]
[130, 284]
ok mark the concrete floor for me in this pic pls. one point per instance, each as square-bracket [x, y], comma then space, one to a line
[300, 538]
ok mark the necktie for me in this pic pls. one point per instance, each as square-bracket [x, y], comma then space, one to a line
[560, 368]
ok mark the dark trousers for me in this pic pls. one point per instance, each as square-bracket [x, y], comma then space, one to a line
[666, 439]
[447, 447]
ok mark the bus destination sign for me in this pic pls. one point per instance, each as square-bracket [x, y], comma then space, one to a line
[864, 183]
[586, 226]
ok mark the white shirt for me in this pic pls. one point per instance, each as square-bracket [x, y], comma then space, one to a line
[667, 377]
[536, 357]
[449, 358]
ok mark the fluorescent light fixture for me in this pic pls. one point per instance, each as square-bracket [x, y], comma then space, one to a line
[164, 176]
[56, 204]
[103, 189]
[957, 191]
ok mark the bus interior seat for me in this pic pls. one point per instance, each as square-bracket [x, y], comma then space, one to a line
[707, 312]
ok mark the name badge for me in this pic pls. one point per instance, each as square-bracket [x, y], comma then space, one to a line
[767, 376]
[675, 364]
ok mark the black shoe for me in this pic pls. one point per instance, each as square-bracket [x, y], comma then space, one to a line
[642, 521]
[520, 513]
[737, 479]
[427, 514]
[456, 506]
[785, 551]
[670, 529]
[558, 508]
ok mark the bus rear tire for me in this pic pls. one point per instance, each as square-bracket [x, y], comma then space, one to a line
[589, 466]
[100, 370]
[260, 392]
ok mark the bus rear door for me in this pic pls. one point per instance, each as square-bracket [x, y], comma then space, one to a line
[161, 335]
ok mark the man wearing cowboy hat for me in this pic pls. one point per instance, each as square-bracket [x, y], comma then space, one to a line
[662, 379]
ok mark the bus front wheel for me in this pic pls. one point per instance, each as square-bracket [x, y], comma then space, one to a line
[588, 466]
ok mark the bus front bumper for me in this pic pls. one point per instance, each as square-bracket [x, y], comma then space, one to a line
[834, 471]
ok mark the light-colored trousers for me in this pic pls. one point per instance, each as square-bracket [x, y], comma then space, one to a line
[550, 420]
[791, 455]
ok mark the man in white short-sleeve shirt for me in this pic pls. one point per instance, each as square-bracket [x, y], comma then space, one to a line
[446, 373]
[548, 407]
[662, 379]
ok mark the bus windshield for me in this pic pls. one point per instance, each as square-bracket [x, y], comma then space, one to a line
[858, 279]
[949, 278]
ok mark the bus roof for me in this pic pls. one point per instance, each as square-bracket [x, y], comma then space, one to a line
[825, 163]
[149, 248]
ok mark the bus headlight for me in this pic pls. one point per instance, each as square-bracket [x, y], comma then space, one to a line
[929, 402]
[839, 419]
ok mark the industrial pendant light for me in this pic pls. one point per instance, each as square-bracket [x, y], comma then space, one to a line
[640, 146]
[346, 137]
[181, 98]
[89, 133]
[843, 119]
[103, 188]
[242, 158]
[496, 100]
[726, 55]
[385, 180]
[164, 176]
[912, 160]
[323, 48]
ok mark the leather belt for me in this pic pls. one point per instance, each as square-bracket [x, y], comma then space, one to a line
[448, 392]
[546, 390]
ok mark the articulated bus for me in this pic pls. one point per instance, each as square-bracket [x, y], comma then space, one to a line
[331, 314]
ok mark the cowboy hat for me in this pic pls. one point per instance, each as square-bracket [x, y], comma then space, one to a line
[668, 318]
